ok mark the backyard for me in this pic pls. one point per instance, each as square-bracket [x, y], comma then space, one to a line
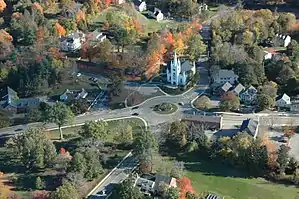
[215, 177]
[218, 178]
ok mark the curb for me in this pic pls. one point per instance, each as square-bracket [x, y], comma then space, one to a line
[106, 120]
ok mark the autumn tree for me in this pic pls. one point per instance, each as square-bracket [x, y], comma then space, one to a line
[6, 46]
[154, 55]
[4, 191]
[60, 29]
[38, 7]
[40, 195]
[185, 187]
[2, 5]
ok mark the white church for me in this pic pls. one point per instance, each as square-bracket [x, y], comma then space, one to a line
[178, 73]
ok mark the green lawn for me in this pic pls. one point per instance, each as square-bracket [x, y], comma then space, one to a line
[149, 25]
[227, 182]
[73, 83]
[72, 132]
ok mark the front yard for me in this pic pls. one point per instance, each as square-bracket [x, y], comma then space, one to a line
[18, 179]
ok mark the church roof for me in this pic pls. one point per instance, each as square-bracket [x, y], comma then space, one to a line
[187, 65]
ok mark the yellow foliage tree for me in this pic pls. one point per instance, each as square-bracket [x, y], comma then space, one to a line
[4, 191]
[179, 45]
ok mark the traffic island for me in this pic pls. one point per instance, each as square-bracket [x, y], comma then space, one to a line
[165, 108]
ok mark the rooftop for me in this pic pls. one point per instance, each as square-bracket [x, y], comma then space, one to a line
[225, 87]
[249, 126]
[202, 118]
[239, 88]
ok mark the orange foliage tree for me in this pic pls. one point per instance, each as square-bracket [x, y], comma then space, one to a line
[38, 7]
[80, 16]
[60, 29]
[185, 187]
[271, 149]
[55, 53]
[2, 5]
[107, 3]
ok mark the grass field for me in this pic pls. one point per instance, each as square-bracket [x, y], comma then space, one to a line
[219, 179]
[149, 25]
[72, 132]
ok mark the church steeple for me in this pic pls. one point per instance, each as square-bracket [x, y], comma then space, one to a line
[175, 59]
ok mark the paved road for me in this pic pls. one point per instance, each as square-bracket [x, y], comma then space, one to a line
[145, 111]
[117, 176]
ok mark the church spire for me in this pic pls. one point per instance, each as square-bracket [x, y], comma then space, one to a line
[175, 59]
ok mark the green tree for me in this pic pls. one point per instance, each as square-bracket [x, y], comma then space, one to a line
[264, 101]
[96, 130]
[33, 115]
[255, 158]
[78, 163]
[126, 190]
[66, 191]
[229, 104]
[34, 148]
[59, 114]
[282, 158]
[203, 102]
[121, 36]
[4, 121]
[173, 193]
[78, 106]
[270, 90]
[196, 47]
[124, 135]
[143, 147]
[39, 183]
[177, 136]
[93, 164]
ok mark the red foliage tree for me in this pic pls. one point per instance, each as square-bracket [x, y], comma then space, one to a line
[107, 3]
[62, 150]
[185, 186]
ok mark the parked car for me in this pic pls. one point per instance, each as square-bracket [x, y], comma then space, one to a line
[181, 103]
[135, 114]
[135, 107]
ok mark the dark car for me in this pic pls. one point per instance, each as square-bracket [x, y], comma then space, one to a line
[135, 107]
[135, 114]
